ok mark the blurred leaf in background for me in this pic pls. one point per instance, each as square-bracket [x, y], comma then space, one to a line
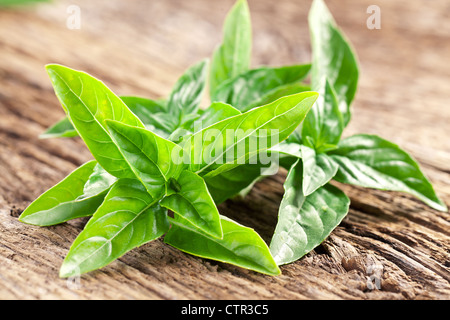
[10, 3]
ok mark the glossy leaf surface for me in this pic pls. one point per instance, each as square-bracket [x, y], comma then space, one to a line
[318, 170]
[304, 222]
[77, 195]
[150, 112]
[233, 141]
[148, 155]
[88, 104]
[194, 203]
[279, 92]
[372, 162]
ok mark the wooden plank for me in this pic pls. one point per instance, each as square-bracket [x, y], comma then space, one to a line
[141, 48]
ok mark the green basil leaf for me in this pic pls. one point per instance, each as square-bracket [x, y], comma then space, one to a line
[333, 57]
[305, 221]
[88, 103]
[233, 56]
[240, 246]
[279, 92]
[62, 129]
[372, 162]
[251, 86]
[186, 94]
[234, 141]
[318, 169]
[194, 203]
[78, 195]
[128, 218]
[149, 156]
[324, 124]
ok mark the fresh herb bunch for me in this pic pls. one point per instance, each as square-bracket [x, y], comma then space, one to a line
[152, 157]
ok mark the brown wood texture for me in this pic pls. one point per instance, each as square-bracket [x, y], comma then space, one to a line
[141, 48]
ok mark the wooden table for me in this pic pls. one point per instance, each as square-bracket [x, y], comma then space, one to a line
[141, 48]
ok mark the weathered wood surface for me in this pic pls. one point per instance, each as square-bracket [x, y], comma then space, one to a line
[140, 48]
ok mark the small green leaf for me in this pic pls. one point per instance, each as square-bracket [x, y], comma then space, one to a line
[240, 246]
[88, 104]
[194, 203]
[251, 86]
[318, 170]
[128, 218]
[186, 94]
[233, 56]
[78, 195]
[62, 129]
[149, 156]
[372, 162]
[304, 222]
[333, 57]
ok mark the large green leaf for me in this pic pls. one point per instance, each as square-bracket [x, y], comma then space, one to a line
[194, 203]
[234, 141]
[251, 86]
[186, 94]
[78, 195]
[88, 103]
[304, 222]
[233, 56]
[333, 57]
[149, 156]
[128, 218]
[240, 245]
[372, 162]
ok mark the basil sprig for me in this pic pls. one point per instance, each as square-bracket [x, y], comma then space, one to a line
[156, 156]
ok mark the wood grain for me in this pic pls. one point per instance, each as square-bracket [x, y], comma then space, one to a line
[141, 48]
